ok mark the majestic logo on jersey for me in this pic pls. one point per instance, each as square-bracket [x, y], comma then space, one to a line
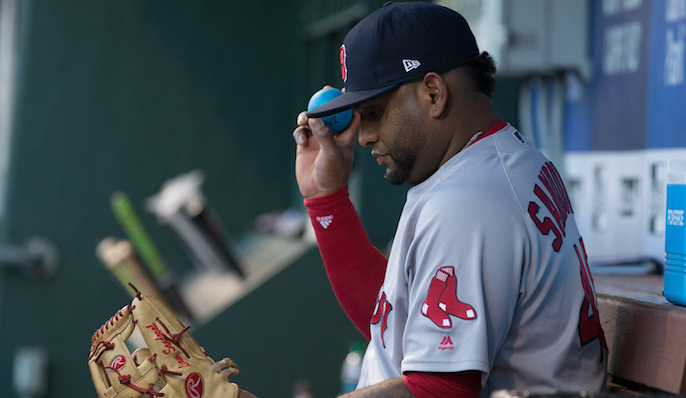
[118, 362]
[442, 300]
[446, 344]
[410, 64]
[556, 201]
[325, 221]
[381, 311]
[344, 64]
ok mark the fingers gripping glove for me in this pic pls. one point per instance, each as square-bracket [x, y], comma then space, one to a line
[173, 365]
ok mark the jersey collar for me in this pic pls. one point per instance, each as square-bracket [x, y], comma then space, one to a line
[499, 125]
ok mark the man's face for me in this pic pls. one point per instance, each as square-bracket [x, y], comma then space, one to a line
[392, 125]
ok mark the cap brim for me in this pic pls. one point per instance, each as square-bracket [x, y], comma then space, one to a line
[346, 101]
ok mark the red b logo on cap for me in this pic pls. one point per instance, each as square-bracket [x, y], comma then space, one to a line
[344, 68]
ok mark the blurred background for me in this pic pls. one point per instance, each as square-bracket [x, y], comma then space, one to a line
[98, 98]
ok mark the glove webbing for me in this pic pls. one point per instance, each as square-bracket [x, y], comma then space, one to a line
[107, 344]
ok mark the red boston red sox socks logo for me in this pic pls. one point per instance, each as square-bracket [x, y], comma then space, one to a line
[449, 302]
[442, 300]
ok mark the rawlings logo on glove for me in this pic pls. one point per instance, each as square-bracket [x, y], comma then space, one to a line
[118, 363]
[194, 385]
[172, 365]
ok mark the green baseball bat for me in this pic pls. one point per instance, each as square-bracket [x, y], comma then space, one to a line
[128, 218]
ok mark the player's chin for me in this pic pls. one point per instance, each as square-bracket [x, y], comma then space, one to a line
[395, 177]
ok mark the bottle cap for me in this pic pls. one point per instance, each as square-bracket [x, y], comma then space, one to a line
[676, 171]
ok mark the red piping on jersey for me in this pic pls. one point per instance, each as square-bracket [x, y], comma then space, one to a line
[499, 125]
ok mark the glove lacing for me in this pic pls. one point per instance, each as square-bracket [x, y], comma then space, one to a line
[126, 380]
[175, 337]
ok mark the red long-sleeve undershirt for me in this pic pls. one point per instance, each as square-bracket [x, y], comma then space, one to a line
[455, 385]
[356, 272]
[355, 267]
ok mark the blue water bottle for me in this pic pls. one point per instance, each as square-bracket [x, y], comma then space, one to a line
[675, 233]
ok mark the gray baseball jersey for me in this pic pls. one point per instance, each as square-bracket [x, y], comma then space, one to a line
[488, 272]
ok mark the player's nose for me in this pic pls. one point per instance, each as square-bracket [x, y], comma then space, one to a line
[368, 134]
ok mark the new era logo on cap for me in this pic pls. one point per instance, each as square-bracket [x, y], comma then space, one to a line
[410, 64]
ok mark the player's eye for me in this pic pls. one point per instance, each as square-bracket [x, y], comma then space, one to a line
[374, 113]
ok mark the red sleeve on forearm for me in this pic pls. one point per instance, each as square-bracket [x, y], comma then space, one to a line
[355, 267]
[431, 385]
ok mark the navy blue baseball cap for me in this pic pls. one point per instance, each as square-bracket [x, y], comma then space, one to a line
[396, 44]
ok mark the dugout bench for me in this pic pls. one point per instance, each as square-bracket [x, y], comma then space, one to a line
[645, 333]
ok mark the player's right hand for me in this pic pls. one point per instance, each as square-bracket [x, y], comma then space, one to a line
[323, 161]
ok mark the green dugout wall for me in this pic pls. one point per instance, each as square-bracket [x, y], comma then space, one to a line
[123, 95]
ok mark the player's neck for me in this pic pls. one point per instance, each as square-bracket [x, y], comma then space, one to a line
[478, 116]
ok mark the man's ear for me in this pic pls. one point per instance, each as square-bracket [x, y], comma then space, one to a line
[434, 90]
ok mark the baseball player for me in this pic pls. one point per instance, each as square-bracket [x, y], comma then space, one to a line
[487, 285]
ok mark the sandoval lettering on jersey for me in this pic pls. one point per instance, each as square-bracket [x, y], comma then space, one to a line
[555, 200]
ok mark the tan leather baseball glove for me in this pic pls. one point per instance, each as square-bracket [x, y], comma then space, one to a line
[172, 366]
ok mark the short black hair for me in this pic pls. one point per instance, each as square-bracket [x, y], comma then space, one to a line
[481, 70]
